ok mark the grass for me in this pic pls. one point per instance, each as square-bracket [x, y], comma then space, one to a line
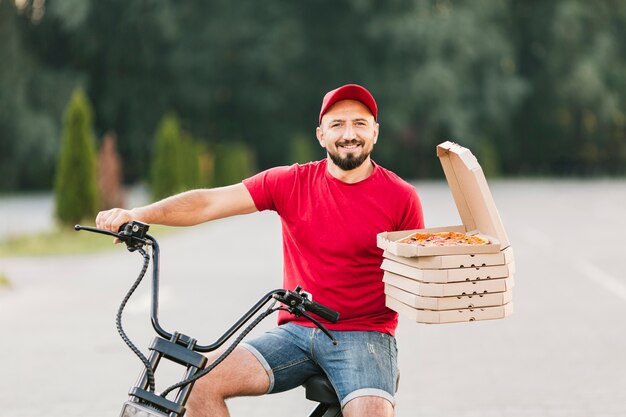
[4, 281]
[62, 241]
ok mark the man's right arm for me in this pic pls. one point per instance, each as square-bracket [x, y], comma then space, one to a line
[185, 209]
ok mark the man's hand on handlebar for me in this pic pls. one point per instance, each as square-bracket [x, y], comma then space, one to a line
[113, 219]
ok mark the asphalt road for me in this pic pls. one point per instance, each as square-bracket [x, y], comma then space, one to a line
[562, 353]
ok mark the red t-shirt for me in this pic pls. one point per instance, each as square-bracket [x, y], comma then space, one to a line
[329, 237]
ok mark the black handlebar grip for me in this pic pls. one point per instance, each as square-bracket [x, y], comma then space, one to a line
[321, 310]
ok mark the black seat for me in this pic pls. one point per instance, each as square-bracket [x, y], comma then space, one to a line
[319, 389]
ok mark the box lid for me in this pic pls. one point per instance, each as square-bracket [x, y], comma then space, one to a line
[455, 261]
[470, 191]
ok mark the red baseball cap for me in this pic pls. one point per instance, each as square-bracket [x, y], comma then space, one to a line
[349, 92]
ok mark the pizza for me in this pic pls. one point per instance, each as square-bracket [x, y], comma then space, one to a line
[444, 239]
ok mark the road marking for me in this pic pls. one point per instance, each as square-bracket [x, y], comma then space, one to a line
[587, 269]
[600, 277]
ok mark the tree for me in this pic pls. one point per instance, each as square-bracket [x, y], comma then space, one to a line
[535, 86]
[190, 161]
[166, 175]
[76, 190]
[304, 149]
[32, 99]
[233, 162]
[574, 120]
[110, 173]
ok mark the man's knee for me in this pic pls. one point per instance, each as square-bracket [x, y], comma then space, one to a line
[368, 406]
[239, 374]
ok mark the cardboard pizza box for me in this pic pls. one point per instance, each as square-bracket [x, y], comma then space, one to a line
[449, 303]
[448, 275]
[449, 316]
[474, 203]
[427, 289]
[389, 241]
[455, 261]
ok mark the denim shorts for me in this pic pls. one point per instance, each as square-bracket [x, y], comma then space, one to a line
[361, 364]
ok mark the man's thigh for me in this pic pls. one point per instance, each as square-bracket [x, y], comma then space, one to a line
[362, 364]
[240, 374]
[284, 353]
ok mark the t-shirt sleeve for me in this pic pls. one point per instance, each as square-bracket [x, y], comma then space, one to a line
[268, 188]
[411, 216]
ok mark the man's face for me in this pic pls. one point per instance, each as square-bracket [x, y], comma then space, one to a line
[348, 132]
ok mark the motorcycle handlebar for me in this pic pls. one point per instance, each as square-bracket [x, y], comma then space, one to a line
[134, 235]
[321, 310]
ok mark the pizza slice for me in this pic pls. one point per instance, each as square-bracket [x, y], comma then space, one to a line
[443, 239]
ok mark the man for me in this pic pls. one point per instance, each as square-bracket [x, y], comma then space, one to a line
[331, 211]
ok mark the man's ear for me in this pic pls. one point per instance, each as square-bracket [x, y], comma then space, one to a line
[376, 130]
[320, 137]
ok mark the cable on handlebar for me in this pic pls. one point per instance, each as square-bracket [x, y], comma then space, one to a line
[224, 355]
[118, 320]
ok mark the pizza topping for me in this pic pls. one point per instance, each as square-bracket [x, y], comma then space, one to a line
[443, 239]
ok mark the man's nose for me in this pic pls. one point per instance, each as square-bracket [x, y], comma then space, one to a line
[348, 132]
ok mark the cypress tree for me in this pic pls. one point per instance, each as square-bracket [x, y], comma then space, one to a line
[190, 161]
[166, 174]
[233, 162]
[76, 190]
[302, 150]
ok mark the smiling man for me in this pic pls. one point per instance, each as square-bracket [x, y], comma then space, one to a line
[348, 128]
[331, 211]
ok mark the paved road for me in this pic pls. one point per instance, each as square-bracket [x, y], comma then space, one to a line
[25, 214]
[563, 352]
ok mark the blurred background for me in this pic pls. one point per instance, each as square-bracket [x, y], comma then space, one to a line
[118, 103]
[534, 88]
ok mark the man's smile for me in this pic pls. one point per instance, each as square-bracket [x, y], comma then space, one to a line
[349, 146]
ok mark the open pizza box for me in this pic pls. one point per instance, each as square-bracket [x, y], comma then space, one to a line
[427, 289]
[450, 316]
[449, 303]
[449, 275]
[474, 203]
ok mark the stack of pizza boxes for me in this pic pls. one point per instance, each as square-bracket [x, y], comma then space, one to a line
[446, 284]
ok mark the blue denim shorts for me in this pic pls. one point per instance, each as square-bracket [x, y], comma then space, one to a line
[361, 364]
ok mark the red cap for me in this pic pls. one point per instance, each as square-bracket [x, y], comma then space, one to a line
[349, 92]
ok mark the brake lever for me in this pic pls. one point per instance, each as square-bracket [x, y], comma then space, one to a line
[294, 303]
[133, 234]
[318, 324]
[79, 227]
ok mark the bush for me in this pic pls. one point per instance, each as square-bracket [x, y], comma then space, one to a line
[177, 164]
[110, 173]
[190, 162]
[489, 159]
[206, 162]
[76, 190]
[233, 163]
[166, 175]
[302, 149]
[4, 280]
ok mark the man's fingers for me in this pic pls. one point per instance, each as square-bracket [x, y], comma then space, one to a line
[111, 220]
[116, 220]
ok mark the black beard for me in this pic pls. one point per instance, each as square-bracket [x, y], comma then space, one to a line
[350, 162]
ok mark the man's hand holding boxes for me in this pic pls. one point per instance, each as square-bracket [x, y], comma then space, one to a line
[457, 273]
